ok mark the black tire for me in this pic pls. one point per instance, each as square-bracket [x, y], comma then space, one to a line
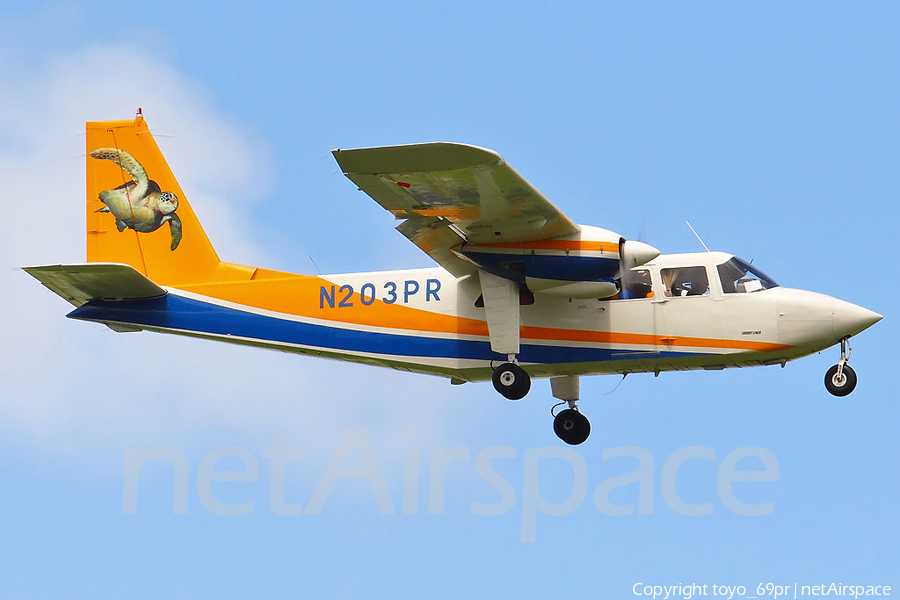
[842, 386]
[511, 381]
[572, 427]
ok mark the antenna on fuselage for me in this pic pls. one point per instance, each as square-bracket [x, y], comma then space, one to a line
[314, 263]
[624, 375]
[699, 239]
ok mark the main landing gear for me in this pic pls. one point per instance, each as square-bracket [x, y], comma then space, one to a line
[569, 424]
[511, 380]
[840, 379]
[501, 311]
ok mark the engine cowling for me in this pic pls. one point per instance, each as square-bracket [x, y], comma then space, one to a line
[584, 265]
[573, 289]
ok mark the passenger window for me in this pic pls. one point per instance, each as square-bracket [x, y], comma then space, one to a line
[686, 281]
[635, 283]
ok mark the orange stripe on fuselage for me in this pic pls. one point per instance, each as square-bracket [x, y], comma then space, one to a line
[300, 296]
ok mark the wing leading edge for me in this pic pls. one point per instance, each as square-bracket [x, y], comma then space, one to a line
[449, 194]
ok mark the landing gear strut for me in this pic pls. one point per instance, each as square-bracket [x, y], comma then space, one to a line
[511, 381]
[569, 424]
[840, 379]
[501, 310]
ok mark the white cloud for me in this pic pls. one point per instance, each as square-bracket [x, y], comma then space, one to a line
[81, 386]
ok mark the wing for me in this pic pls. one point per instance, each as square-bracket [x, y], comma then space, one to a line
[449, 194]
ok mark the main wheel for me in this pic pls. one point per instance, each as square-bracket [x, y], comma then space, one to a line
[571, 426]
[512, 381]
[840, 385]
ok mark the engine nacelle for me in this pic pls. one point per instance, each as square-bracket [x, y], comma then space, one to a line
[573, 289]
[583, 265]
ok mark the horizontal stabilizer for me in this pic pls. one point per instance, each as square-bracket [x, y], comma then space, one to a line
[78, 284]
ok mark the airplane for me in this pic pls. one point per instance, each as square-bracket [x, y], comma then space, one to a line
[520, 291]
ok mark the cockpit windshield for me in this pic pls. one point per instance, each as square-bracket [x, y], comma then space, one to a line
[739, 277]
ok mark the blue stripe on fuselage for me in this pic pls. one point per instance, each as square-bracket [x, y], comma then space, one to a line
[177, 312]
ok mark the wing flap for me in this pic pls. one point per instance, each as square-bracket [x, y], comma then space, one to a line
[437, 239]
[77, 284]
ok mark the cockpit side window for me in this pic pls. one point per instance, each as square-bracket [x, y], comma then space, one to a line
[739, 277]
[635, 283]
[685, 281]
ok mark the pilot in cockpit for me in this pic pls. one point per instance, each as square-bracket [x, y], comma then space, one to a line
[637, 285]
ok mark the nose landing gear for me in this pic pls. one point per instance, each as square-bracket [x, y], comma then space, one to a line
[840, 379]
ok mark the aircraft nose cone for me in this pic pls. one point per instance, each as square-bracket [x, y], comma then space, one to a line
[850, 319]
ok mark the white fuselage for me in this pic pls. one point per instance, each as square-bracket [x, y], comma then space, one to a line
[674, 313]
[563, 336]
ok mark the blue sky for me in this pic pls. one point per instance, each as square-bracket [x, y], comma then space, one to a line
[773, 128]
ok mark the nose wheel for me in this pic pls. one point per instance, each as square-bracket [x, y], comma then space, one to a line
[840, 379]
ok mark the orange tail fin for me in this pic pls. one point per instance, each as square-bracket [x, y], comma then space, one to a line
[137, 213]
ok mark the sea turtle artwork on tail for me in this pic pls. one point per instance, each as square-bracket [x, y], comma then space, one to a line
[139, 204]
